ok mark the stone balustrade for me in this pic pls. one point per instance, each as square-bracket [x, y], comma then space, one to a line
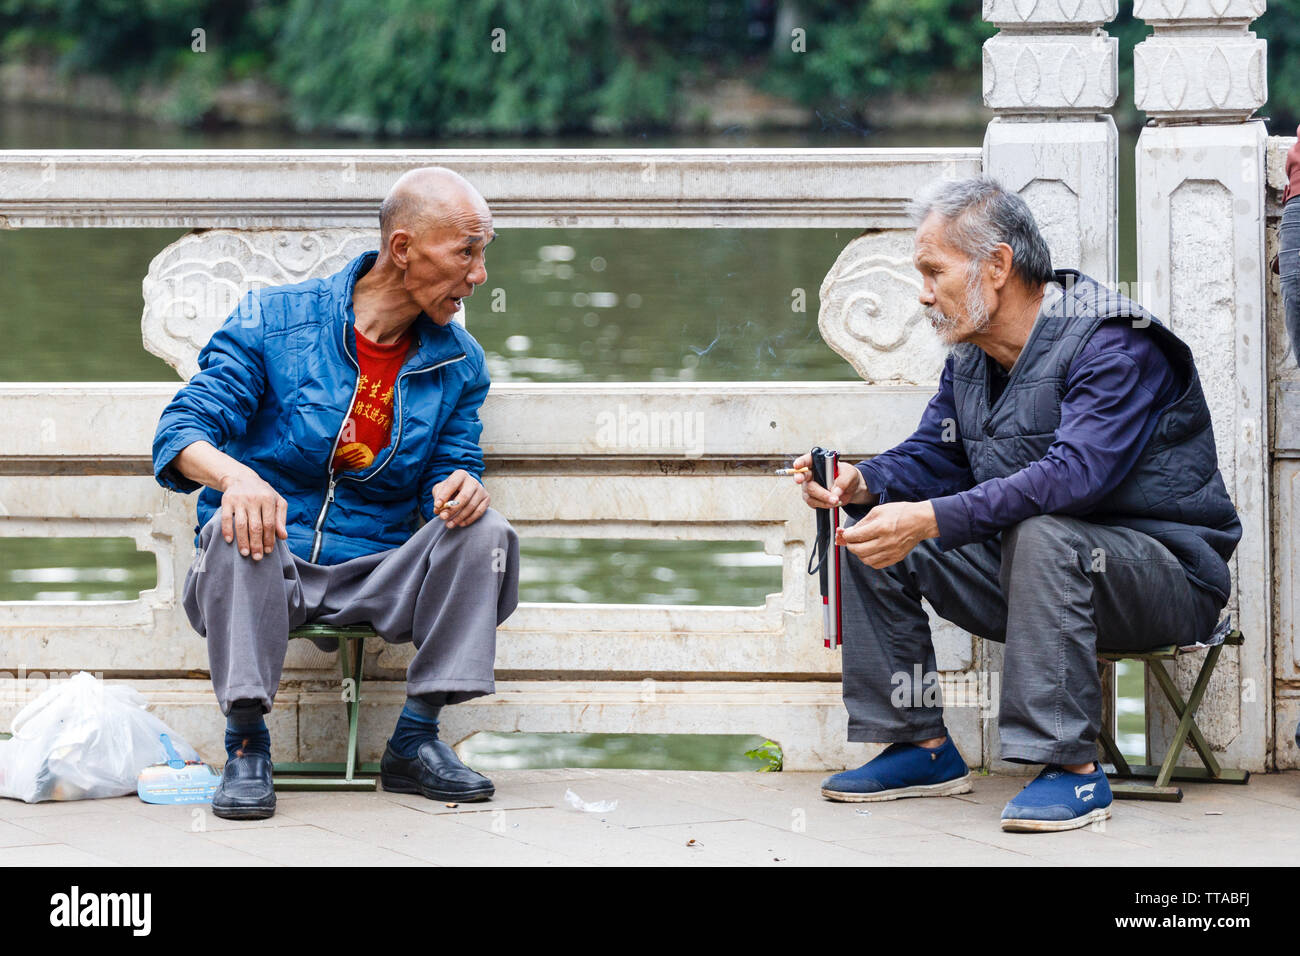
[553, 468]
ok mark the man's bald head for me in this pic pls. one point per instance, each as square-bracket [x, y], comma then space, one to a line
[425, 198]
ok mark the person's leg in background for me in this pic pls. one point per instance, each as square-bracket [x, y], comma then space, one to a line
[245, 609]
[1289, 269]
[445, 590]
[887, 642]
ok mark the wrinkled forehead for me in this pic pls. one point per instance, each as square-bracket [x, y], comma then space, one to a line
[930, 244]
[469, 218]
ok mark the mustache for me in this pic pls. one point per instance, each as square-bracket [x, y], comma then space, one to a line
[936, 316]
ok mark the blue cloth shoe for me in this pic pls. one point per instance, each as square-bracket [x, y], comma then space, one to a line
[1059, 800]
[902, 770]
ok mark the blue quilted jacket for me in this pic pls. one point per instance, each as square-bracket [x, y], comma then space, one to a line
[274, 385]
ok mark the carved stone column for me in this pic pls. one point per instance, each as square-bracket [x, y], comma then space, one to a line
[1200, 195]
[1050, 73]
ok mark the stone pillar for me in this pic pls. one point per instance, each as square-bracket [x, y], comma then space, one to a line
[1200, 193]
[1050, 74]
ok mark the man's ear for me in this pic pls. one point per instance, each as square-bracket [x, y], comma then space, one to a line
[1000, 265]
[399, 247]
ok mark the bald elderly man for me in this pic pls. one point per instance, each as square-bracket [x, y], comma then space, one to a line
[333, 425]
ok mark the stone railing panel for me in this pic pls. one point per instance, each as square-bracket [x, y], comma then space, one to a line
[196, 282]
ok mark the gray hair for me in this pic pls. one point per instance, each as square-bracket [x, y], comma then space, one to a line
[980, 214]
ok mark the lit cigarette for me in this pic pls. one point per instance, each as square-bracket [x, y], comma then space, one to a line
[792, 471]
[449, 505]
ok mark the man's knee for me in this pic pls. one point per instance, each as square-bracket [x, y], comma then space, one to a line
[1039, 540]
[212, 543]
[491, 530]
[211, 527]
[1052, 532]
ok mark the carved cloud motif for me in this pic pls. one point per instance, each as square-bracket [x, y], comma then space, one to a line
[870, 314]
[197, 282]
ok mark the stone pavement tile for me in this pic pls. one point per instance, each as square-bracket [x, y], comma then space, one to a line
[754, 844]
[797, 800]
[14, 835]
[128, 838]
[517, 798]
[937, 849]
[1096, 844]
[1246, 801]
[594, 838]
[645, 801]
[437, 838]
[16, 810]
[1279, 788]
[306, 845]
[642, 799]
[1055, 848]
[1150, 823]
[200, 818]
[505, 779]
[49, 854]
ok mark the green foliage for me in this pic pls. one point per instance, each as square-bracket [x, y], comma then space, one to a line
[1280, 26]
[857, 50]
[769, 753]
[137, 41]
[518, 66]
[429, 67]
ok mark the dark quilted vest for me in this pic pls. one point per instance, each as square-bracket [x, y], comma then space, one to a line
[1174, 492]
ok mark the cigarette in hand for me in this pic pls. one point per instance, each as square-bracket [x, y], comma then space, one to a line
[792, 471]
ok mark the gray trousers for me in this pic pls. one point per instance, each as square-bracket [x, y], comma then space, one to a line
[445, 590]
[1047, 589]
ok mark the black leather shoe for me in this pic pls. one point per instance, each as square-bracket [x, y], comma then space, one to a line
[245, 791]
[436, 772]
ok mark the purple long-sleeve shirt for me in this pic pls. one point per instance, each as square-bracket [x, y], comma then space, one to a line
[1115, 389]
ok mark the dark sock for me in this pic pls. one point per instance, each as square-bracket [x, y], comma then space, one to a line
[246, 729]
[417, 724]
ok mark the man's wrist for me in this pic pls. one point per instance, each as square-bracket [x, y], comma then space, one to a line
[228, 478]
[864, 495]
[931, 520]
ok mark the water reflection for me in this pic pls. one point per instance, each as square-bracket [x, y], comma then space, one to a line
[560, 305]
[601, 571]
[74, 569]
[491, 751]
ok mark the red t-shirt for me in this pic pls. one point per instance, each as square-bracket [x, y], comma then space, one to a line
[368, 427]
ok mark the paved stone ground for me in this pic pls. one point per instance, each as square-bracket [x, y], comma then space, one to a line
[674, 818]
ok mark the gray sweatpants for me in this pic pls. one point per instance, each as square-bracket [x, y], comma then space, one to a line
[445, 590]
[1046, 588]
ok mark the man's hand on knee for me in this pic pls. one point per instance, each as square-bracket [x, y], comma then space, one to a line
[459, 499]
[252, 512]
[889, 532]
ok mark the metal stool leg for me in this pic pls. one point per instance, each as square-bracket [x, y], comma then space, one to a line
[351, 662]
[1186, 712]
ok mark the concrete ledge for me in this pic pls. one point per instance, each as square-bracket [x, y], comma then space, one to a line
[807, 718]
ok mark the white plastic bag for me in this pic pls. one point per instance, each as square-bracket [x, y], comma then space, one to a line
[82, 739]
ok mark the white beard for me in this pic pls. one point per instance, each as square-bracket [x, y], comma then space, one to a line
[946, 325]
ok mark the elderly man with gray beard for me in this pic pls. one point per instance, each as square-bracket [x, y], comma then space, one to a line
[1061, 494]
